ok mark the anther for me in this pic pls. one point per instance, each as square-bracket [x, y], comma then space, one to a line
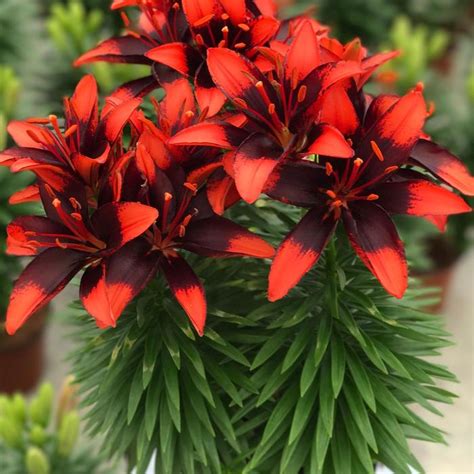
[244, 27]
[240, 45]
[329, 169]
[75, 203]
[390, 169]
[358, 162]
[191, 186]
[72, 129]
[302, 93]
[168, 197]
[199, 40]
[60, 244]
[372, 197]
[377, 151]
[125, 19]
[331, 194]
[225, 16]
[271, 108]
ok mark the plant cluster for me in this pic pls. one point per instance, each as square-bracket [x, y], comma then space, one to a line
[317, 378]
[34, 440]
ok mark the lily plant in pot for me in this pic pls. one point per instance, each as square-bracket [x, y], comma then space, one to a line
[308, 354]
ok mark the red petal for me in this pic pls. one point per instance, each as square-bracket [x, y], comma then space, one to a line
[254, 161]
[236, 9]
[84, 101]
[219, 187]
[439, 221]
[118, 223]
[297, 184]
[173, 55]
[29, 194]
[217, 236]
[263, 30]
[136, 89]
[122, 49]
[39, 283]
[208, 95]
[24, 229]
[303, 55]
[395, 133]
[187, 289]
[266, 7]
[331, 142]
[195, 10]
[419, 198]
[106, 290]
[339, 111]
[216, 134]
[444, 165]
[117, 117]
[299, 251]
[375, 240]
[19, 132]
[178, 100]
[372, 63]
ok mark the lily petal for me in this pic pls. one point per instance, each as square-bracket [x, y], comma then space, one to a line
[299, 251]
[375, 240]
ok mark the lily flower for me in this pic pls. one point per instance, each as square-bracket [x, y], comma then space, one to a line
[67, 240]
[185, 222]
[362, 193]
[282, 110]
[86, 149]
[177, 34]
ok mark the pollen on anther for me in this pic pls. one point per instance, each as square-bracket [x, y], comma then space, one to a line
[331, 194]
[56, 202]
[372, 197]
[271, 108]
[358, 162]
[168, 196]
[377, 150]
[243, 27]
[240, 45]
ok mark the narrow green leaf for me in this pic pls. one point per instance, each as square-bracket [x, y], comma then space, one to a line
[172, 345]
[136, 391]
[308, 373]
[326, 398]
[341, 450]
[297, 347]
[338, 364]
[152, 349]
[361, 379]
[359, 413]
[270, 347]
[302, 414]
[171, 379]
[222, 379]
[322, 340]
[152, 403]
[321, 440]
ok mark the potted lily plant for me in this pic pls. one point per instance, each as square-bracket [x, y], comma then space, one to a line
[308, 354]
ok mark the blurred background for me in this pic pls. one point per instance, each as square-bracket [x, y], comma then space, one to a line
[39, 39]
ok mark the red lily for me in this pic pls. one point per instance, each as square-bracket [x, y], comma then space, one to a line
[186, 222]
[282, 111]
[176, 34]
[68, 240]
[362, 192]
[88, 150]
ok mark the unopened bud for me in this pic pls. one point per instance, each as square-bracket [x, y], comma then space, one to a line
[18, 405]
[40, 406]
[37, 462]
[68, 433]
[38, 435]
[11, 433]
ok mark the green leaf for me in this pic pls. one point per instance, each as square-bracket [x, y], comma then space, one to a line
[298, 345]
[341, 450]
[308, 373]
[359, 413]
[326, 398]
[152, 404]
[171, 379]
[136, 391]
[152, 349]
[361, 379]
[321, 440]
[224, 382]
[338, 364]
[270, 347]
[322, 340]
[302, 414]
[172, 345]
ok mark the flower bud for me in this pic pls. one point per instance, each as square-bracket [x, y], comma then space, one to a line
[40, 406]
[11, 433]
[36, 461]
[18, 405]
[38, 435]
[68, 433]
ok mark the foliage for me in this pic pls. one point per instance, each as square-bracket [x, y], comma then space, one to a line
[324, 380]
[34, 440]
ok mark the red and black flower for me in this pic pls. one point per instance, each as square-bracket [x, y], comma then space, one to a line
[86, 149]
[362, 192]
[282, 108]
[177, 34]
[186, 222]
[67, 240]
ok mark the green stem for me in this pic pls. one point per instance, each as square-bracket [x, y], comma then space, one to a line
[333, 283]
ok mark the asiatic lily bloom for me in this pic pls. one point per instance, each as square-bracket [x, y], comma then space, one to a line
[177, 111]
[185, 222]
[67, 240]
[177, 34]
[282, 111]
[362, 193]
[83, 150]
